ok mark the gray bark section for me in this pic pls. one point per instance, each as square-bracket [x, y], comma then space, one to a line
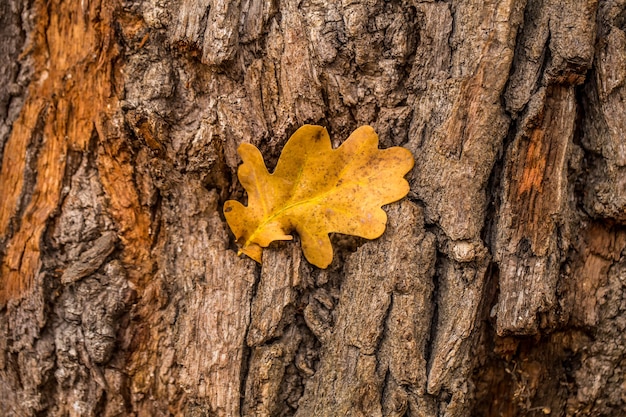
[514, 111]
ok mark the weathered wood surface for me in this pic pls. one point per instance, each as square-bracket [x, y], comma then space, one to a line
[498, 288]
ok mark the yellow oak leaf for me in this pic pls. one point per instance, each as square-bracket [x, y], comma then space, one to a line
[316, 190]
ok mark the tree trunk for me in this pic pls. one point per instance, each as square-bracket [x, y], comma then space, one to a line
[498, 288]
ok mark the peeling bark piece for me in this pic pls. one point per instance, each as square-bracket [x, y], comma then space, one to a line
[188, 342]
[277, 289]
[350, 379]
[254, 17]
[530, 55]
[265, 386]
[604, 129]
[572, 32]
[459, 297]
[211, 343]
[91, 259]
[533, 208]
[433, 54]
[459, 122]
[408, 329]
[555, 46]
[212, 26]
[299, 84]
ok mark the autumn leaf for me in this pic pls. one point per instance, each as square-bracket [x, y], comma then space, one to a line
[316, 190]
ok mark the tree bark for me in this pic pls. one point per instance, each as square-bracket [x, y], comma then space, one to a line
[498, 288]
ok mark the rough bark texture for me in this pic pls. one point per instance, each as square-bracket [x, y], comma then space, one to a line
[498, 288]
